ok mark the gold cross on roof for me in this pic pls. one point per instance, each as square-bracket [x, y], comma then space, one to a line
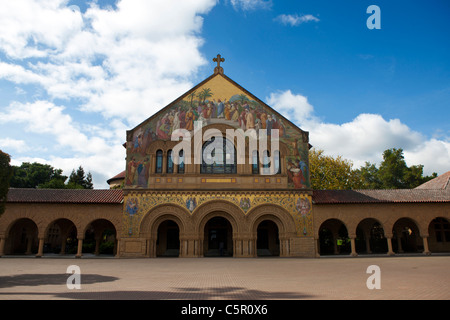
[218, 69]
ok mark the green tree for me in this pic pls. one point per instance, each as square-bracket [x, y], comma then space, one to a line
[204, 94]
[5, 176]
[393, 173]
[79, 180]
[368, 176]
[37, 175]
[329, 173]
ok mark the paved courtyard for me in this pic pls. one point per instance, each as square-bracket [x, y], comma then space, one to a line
[418, 277]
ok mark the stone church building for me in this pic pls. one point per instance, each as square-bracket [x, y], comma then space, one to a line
[218, 172]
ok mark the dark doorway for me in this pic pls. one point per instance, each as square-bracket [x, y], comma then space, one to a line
[268, 242]
[168, 242]
[218, 240]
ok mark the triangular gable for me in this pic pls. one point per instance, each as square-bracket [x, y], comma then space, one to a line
[220, 100]
[219, 87]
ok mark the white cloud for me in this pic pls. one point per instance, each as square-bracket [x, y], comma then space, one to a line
[101, 154]
[248, 5]
[295, 20]
[365, 137]
[291, 106]
[123, 63]
[13, 144]
[143, 51]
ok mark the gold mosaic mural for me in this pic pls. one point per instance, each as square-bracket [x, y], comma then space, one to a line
[136, 206]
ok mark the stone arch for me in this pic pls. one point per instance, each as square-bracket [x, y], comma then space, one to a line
[333, 237]
[370, 236]
[167, 237]
[10, 220]
[100, 232]
[218, 208]
[60, 236]
[22, 236]
[406, 235]
[281, 218]
[148, 227]
[284, 221]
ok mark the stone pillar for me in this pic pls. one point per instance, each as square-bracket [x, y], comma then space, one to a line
[2, 246]
[389, 243]
[116, 248]
[148, 243]
[80, 248]
[352, 243]
[317, 248]
[164, 162]
[285, 247]
[426, 251]
[41, 248]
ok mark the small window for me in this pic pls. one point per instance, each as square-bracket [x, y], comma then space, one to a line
[441, 229]
[169, 162]
[266, 162]
[181, 162]
[277, 162]
[255, 162]
[218, 157]
[159, 161]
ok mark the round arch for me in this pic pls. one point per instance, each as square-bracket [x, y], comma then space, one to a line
[148, 227]
[370, 236]
[218, 208]
[61, 237]
[22, 237]
[167, 237]
[333, 237]
[406, 236]
[100, 237]
[284, 221]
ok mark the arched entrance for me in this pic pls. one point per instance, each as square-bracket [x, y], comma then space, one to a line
[218, 238]
[61, 237]
[268, 241]
[168, 239]
[22, 238]
[370, 237]
[100, 238]
[406, 236]
[333, 238]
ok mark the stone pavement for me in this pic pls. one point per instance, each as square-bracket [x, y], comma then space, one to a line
[410, 278]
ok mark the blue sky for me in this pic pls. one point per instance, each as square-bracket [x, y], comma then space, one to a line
[75, 75]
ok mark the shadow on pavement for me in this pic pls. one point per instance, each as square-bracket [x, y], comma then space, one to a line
[225, 293]
[49, 279]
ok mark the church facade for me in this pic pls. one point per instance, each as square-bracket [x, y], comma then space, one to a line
[218, 172]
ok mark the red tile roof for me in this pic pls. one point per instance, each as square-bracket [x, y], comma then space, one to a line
[119, 176]
[65, 195]
[440, 182]
[380, 196]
